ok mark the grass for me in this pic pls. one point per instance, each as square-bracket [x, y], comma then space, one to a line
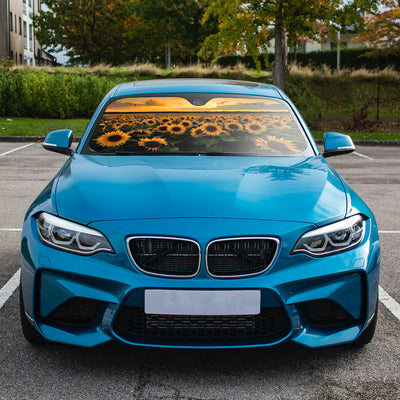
[41, 127]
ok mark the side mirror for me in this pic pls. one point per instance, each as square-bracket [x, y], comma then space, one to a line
[337, 143]
[59, 141]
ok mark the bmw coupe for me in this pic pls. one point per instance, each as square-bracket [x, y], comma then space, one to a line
[201, 214]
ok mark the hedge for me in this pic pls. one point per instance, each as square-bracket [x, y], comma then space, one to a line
[57, 95]
[349, 59]
[28, 93]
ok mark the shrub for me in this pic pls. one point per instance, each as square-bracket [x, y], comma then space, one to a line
[353, 59]
[63, 92]
[57, 95]
[308, 103]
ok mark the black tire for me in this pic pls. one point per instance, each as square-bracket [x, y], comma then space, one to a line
[369, 331]
[30, 333]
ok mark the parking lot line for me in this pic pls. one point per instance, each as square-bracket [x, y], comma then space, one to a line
[9, 288]
[362, 155]
[18, 148]
[389, 302]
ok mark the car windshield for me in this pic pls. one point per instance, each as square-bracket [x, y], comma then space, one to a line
[197, 124]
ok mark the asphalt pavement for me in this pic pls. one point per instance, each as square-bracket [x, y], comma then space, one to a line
[117, 371]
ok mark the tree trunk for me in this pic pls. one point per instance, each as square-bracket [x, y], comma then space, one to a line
[279, 64]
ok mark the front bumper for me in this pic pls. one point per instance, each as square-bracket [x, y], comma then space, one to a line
[87, 301]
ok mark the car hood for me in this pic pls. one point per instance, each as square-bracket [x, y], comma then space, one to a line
[94, 188]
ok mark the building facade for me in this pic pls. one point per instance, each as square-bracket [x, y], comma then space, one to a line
[17, 34]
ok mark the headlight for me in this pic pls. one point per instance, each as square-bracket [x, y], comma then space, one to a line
[69, 236]
[333, 238]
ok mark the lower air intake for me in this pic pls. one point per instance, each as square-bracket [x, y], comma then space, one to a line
[132, 324]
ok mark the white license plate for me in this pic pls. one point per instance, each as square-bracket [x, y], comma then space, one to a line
[202, 302]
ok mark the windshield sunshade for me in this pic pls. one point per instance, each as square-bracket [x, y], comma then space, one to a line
[223, 125]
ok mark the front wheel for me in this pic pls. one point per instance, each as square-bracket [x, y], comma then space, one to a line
[29, 332]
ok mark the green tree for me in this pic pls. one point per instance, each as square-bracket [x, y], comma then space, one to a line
[120, 31]
[382, 33]
[247, 26]
[173, 23]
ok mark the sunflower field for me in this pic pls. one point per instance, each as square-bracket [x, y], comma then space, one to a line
[193, 132]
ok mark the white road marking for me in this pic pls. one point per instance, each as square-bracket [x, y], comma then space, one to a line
[389, 231]
[9, 288]
[362, 155]
[10, 230]
[389, 302]
[18, 148]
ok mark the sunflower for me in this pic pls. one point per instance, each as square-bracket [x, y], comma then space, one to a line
[152, 144]
[150, 122]
[198, 132]
[233, 126]
[162, 128]
[187, 124]
[279, 125]
[112, 139]
[176, 129]
[255, 127]
[277, 145]
[210, 129]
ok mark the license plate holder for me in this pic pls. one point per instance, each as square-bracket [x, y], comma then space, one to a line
[202, 302]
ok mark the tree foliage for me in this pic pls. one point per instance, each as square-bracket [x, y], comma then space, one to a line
[92, 31]
[121, 31]
[382, 33]
[248, 26]
[175, 21]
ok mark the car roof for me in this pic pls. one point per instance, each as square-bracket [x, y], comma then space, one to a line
[190, 85]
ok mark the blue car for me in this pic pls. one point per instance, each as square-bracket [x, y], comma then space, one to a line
[198, 214]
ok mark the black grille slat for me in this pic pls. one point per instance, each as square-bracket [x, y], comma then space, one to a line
[133, 324]
[235, 257]
[165, 256]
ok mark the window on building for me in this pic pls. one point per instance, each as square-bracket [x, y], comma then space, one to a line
[30, 37]
[20, 25]
[20, 59]
[15, 26]
[25, 36]
[11, 22]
